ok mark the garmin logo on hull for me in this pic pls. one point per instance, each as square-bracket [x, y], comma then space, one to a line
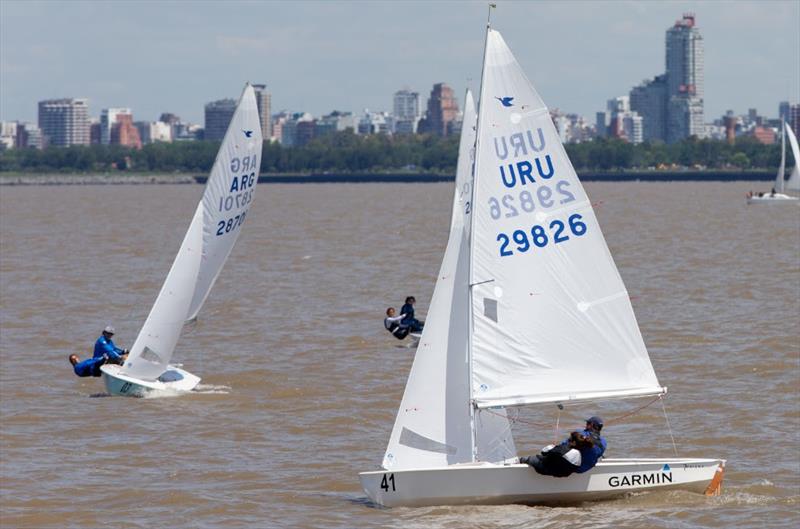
[633, 480]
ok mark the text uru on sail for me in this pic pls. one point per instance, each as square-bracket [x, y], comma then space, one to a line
[522, 144]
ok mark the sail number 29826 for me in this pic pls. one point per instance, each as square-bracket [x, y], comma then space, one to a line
[538, 236]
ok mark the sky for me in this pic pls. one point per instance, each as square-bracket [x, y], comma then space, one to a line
[319, 56]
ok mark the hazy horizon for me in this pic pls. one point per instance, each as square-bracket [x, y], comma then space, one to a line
[324, 56]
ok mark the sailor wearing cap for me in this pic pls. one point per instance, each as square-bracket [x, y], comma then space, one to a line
[590, 455]
[104, 347]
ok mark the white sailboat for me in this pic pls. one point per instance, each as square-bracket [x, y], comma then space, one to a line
[212, 233]
[792, 184]
[528, 308]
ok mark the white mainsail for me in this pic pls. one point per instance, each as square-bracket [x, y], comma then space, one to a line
[552, 321]
[432, 427]
[207, 244]
[782, 168]
[793, 183]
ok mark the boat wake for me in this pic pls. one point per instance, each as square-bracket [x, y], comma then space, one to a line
[212, 389]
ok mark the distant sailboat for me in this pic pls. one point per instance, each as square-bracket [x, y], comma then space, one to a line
[528, 309]
[793, 184]
[212, 233]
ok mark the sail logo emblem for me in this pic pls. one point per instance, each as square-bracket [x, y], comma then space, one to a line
[506, 101]
[248, 133]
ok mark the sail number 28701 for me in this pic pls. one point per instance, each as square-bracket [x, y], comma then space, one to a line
[538, 236]
[387, 481]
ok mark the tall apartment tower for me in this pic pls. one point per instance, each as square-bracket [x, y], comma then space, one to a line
[108, 117]
[442, 110]
[264, 102]
[218, 116]
[684, 58]
[64, 122]
[406, 104]
[405, 109]
[649, 100]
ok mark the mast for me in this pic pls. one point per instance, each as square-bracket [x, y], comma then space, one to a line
[472, 407]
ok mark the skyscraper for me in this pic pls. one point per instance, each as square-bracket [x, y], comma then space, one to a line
[684, 59]
[218, 116]
[442, 110]
[264, 103]
[406, 111]
[108, 117]
[64, 122]
[649, 100]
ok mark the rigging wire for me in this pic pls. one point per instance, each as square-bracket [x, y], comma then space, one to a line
[669, 428]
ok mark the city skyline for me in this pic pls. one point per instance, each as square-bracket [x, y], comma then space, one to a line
[156, 58]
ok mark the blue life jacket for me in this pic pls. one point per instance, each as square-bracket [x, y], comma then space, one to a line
[590, 456]
[408, 312]
[104, 347]
[89, 367]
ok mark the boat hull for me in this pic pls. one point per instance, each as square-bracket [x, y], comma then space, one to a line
[173, 380]
[777, 198]
[491, 484]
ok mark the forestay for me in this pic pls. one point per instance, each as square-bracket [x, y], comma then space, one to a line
[207, 244]
[793, 183]
[433, 423]
[552, 320]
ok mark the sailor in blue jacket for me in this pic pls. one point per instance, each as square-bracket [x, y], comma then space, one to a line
[413, 324]
[591, 455]
[87, 368]
[104, 347]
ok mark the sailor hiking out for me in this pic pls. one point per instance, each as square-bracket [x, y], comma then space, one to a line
[393, 324]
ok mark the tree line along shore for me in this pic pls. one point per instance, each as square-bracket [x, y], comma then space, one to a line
[348, 153]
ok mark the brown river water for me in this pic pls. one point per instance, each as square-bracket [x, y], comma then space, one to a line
[301, 383]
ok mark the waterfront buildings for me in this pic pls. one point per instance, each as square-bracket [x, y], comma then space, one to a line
[442, 111]
[108, 117]
[619, 121]
[406, 111]
[64, 122]
[218, 115]
[671, 104]
[153, 131]
[264, 104]
[124, 132]
[684, 58]
[649, 100]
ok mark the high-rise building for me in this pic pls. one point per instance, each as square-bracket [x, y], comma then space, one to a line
[108, 117]
[442, 110]
[8, 134]
[793, 120]
[618, 121]
[406, 105]
[264, 103]
[29, 136]
[153, 131]
[218, 116]
[406, 111]
[64, 122]
[783, 110]
[649, 100]
[125, 133]
[684, 59]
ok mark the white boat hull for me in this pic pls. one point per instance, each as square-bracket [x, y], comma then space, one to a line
[173, 380]
[494, 484]
[777, 198]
